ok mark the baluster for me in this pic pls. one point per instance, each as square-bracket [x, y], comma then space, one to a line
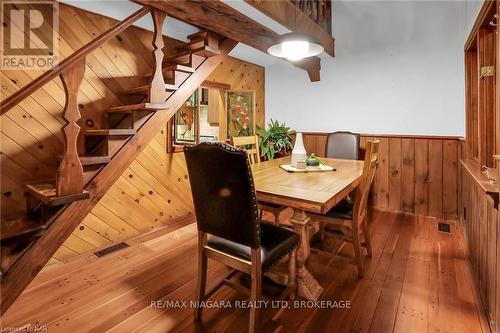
[69, 178]
[157, 92]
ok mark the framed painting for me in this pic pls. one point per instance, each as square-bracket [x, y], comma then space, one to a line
[240, 113]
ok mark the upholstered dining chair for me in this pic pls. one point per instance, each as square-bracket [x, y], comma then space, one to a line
[350, 216]
[343, 145]
[251, 145]
[226, 210]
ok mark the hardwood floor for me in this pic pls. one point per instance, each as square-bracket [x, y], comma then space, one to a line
[417, 281]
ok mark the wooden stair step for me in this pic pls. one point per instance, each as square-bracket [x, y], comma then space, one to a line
[92, 159]
[45, 191]
[198, 34]
[185, 57]
[110, 132]
[181, 58]
[209, 38]
[206, 51]
[194, 44]
[180, 68]
[139, 107]
[144, 89]
[13, 249]
[16, 226]
[173, 67]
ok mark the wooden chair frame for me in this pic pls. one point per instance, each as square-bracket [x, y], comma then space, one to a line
[253, 268]
[254, 158]
[353, 230]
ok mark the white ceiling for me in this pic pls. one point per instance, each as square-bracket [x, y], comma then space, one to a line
[120, 9]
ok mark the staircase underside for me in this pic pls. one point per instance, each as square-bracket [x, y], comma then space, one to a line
[29, 263]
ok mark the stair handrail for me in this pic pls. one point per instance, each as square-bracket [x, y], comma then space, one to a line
[73, 59]
[318, 11]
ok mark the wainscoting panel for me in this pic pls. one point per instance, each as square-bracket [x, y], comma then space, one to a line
[481, 221]
[416, 174]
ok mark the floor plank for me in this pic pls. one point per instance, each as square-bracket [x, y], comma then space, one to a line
[418, 280]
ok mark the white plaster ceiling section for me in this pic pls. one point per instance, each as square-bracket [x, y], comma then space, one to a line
[120, 9]
[246, 52]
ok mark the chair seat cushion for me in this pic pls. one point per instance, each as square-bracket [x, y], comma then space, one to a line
[276, 243]
[343, 210]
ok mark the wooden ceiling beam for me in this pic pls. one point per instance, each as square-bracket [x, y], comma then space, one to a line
[226, 21]
[290, 16]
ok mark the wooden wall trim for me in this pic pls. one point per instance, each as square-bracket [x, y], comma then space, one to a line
[486, 8]
[216, 85]
[480, 218]
[474, 170]
[420, 136]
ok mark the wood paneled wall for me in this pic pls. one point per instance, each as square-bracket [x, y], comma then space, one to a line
[154, 190]
[242, 75]
[480, 217]
[416, 174]
[31, 132]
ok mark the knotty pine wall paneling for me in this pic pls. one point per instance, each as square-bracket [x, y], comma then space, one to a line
[242, 75]
[154, 190]
[416, 174]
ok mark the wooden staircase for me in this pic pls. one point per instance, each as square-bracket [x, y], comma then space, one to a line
[56, 207]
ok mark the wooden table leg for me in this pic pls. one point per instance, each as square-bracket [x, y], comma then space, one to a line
[308, 287]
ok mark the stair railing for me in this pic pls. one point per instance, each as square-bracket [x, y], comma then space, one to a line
[69, 177]
[319, 11]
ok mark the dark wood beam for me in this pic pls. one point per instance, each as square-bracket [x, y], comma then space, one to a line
[226, 21]
[285, 13]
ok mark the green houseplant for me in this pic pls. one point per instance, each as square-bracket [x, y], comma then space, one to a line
[275, 140]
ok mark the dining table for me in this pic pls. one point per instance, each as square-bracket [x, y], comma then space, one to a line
[312, 191]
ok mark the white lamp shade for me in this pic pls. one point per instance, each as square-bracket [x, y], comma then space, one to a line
[295, 46]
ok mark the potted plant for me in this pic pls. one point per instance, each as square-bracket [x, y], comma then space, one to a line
[275, 141]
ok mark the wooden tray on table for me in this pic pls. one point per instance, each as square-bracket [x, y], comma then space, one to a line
[320, 168]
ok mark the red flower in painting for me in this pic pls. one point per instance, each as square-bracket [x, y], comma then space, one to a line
[187, 116]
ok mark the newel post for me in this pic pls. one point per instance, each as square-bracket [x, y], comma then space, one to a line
[157, 92]
[69, 178]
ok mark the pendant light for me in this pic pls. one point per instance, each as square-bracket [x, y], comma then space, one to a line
[295, 46]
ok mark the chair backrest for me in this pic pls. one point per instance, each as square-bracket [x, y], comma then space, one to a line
[343, 145]
[363, 189]
[250, 144]
[223, 192]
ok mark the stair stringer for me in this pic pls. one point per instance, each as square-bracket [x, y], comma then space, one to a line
[71, 215]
